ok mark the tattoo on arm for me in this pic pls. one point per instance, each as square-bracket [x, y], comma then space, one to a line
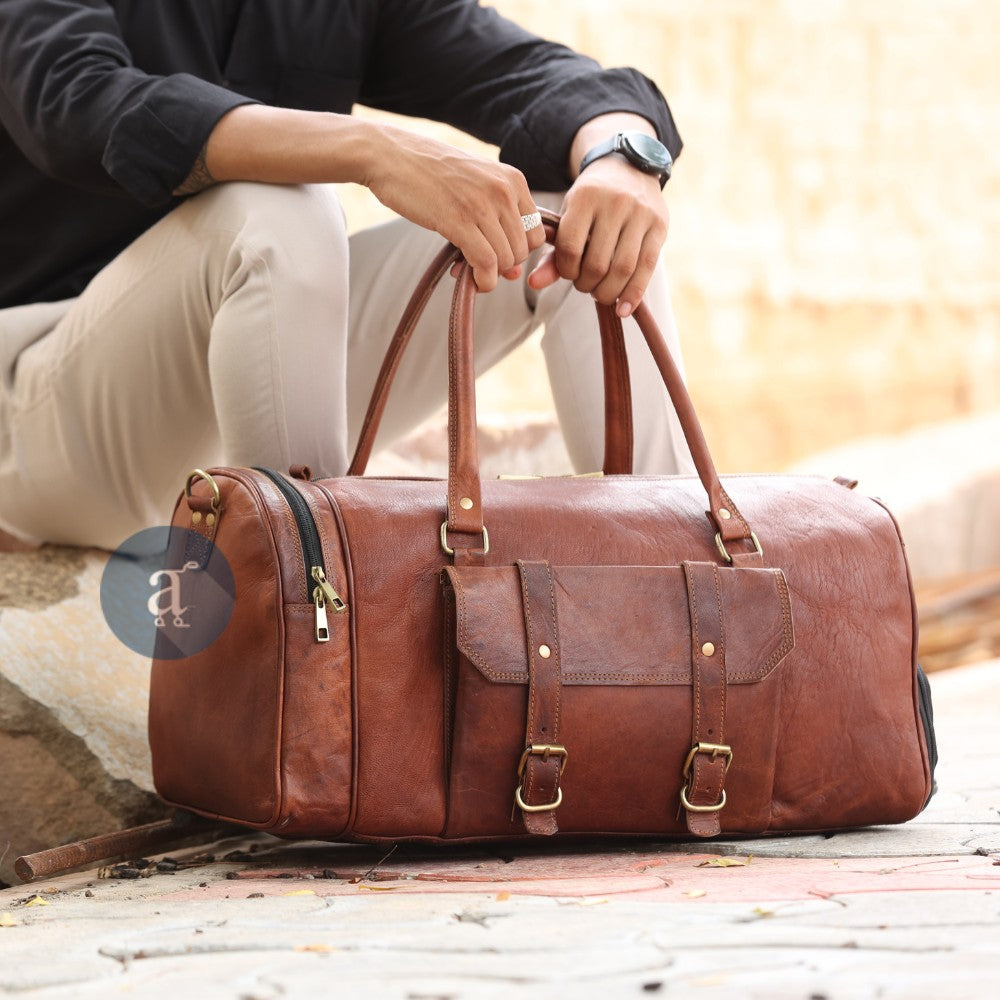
[199, 178]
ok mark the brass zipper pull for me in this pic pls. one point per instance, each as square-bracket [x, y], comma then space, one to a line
[322, 626]
[332, 597]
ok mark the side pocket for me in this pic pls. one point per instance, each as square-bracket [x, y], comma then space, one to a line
[927, 718]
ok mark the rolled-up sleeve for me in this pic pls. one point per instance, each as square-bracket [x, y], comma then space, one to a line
[458, 62]
[78, 108]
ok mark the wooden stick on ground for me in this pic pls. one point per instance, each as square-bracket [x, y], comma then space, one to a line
[134, 842]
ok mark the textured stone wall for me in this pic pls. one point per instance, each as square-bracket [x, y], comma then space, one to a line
[835, 243]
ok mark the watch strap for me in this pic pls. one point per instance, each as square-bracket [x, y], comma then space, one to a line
[605, 148]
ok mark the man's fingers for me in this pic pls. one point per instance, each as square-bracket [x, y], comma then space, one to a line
[545, 272]
[598, 256]
[535, 236]
[571, 242]
[481, 255]
[649, 258]
[510, 220]
[623, 265]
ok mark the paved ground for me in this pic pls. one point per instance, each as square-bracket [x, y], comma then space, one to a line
[910, 911]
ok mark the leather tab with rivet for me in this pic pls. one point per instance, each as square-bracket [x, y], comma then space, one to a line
[204, 500]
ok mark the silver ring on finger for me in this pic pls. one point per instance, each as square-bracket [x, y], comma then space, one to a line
[531, 221]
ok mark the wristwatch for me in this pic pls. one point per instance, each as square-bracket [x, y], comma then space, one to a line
[643, 151]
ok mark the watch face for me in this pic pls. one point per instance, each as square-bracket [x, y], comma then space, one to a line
[648, 151]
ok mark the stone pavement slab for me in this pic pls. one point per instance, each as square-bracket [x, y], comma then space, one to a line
[909, 911]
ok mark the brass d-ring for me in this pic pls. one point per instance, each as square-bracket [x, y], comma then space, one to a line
[548, 807]
[197, 474]
[450, 551]
[723, 551]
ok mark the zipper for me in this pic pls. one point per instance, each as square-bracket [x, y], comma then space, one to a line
[322, 595]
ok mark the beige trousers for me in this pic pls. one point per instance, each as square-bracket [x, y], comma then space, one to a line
[247, 328]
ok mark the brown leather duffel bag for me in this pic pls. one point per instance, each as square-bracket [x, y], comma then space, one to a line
[425, 659]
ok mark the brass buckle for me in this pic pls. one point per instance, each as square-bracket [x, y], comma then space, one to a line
[543, 750]
[714, 750]
[197, 474]
[721, 546]
[450, 551]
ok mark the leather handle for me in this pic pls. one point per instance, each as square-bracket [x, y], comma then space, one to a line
[618, 436]
[465, 513]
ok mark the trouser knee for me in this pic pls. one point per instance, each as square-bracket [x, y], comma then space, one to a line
[299, 230]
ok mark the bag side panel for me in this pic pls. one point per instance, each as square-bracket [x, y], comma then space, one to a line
[391, 531]
[317, 739]
[214, 717]
[851, 751]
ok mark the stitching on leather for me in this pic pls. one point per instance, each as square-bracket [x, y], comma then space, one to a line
[558, 652]
[452, 419]
[529, 629]
[788, 640]
[641, 679]
[722, 652]
[572, 679]
[733, 509]
[449, 710]
[460, 605]
[695, 671]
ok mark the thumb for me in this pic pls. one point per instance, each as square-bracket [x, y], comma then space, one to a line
[545, 272]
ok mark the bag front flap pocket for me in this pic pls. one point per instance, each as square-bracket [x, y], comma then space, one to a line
[625, 625]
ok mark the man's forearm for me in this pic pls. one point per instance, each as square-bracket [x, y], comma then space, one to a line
[255, 142]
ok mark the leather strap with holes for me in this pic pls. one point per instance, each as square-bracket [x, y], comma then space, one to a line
[544, 758]
[703, 796]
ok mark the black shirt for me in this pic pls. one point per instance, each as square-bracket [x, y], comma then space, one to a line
[104, 104]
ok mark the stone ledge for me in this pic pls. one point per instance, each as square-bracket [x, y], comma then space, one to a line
[72, 708]
[943, 485]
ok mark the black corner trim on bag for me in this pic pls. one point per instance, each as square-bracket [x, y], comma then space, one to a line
[927, 718]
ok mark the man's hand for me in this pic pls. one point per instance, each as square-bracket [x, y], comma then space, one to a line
[614, 223]
[477, 204]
